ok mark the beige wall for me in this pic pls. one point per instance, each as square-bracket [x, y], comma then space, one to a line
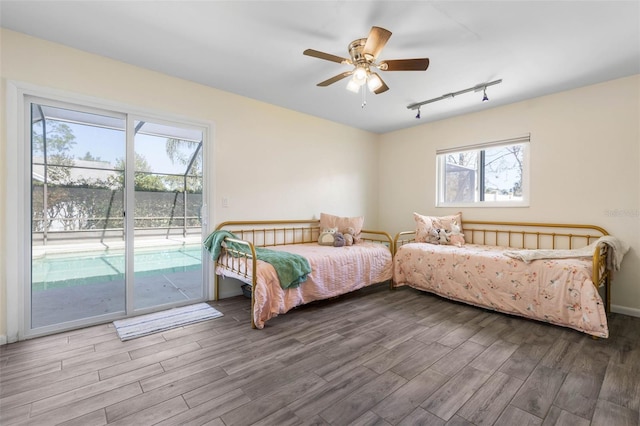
[271, 163]
[585, 163]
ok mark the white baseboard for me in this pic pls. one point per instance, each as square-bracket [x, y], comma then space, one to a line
[3, 339]
[632, 312]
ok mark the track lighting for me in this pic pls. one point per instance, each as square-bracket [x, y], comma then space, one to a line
[476, 88]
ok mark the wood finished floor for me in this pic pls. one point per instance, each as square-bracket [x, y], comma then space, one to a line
[374, 357]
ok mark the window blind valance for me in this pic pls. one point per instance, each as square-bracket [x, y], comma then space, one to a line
[512, 141]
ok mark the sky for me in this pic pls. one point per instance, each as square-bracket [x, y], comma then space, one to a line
[109, 145]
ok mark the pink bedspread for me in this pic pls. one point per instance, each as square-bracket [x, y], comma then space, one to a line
[558, 291]
[334, 271]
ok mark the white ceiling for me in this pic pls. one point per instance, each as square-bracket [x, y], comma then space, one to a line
[254, 48]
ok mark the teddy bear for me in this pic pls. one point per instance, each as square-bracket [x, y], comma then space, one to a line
[339, 240]
[438, 236]
[349, 233]
[432, 236]
[443, 236]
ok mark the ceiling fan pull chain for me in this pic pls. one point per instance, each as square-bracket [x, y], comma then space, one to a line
[364, 97]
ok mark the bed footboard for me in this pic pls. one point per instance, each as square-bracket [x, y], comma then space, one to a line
[530, 235]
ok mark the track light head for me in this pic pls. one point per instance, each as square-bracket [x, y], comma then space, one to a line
[485, 97]
[418, 114]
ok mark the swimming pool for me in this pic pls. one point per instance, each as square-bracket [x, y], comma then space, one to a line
[70, 270]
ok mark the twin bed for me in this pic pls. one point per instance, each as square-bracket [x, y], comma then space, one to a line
[547, 272]
[487, 271]
[334, 270]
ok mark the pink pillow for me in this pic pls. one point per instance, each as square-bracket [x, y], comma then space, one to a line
[342, 223]
[424, 224]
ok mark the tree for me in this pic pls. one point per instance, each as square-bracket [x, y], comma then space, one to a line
[144, 180]
[501, 162]
[89, 157]
[54, 147]
[189, 154]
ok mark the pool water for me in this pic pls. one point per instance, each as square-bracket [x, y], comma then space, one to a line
[69, 270]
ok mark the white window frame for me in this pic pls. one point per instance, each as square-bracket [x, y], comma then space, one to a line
[441, 155]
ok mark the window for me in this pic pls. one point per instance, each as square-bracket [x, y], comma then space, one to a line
[489, 174]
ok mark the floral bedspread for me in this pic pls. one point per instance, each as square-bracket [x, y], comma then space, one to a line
[558, 291]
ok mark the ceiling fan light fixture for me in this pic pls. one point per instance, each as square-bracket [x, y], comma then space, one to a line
[360, 75]
[353, 86]
[374, 82]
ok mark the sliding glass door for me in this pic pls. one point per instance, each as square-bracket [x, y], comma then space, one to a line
[115, 216]
[77, 201]
[168, 200]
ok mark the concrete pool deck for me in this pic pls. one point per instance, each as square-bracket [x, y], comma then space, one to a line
[59, 305]
[159, 283]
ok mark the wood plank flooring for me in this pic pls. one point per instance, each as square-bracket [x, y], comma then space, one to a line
[374, 357]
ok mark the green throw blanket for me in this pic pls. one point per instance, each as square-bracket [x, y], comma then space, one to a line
[292, 269]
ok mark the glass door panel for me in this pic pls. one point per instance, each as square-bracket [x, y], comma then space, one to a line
[168, 182]
[77, 203]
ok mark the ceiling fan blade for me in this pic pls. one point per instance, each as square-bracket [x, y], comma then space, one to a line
[376, 40]
[326, 56]
[405, 64]
[383, 88]
[335, 78]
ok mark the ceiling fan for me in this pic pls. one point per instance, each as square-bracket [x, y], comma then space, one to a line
[363, 54]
